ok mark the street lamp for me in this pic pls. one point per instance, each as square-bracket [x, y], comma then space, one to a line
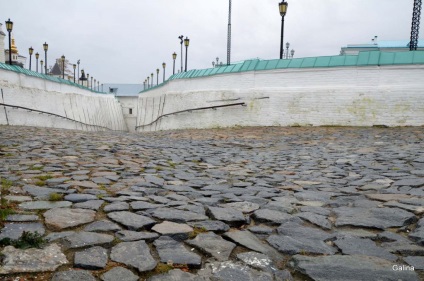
[181, 43]
[37, 55]
[88, 80]
[95, 84]
[78, 62]
[31, 51]
[148, 82]
[292, 53]
[152, 78]
[41, 65]
[45, 47]
[63, 66]
[9, 27]
[186, 44]
[98, 86]
[163, 65]
[287, 50]
[82, 78]
[283, 10]
[229, 36]
[174, 57]
[91, 84]
[74, 66]
[157, 76]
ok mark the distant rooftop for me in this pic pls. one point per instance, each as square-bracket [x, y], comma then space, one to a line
[123, 90]
[386, 44]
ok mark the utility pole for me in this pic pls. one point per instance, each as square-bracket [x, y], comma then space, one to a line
[415, 29]
[229, 36]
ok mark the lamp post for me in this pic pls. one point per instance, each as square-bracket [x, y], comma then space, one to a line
[98, 86]
[144, 85]
[287, 50]
[41, 65]
[82, 78]
[157, 76]
[148, 82]
[292, 53]
[181, 43]
[45, 47]
[95, 84]
[164, 66]
[9, 28]
[283, 10]
[31, 51]
[74, 66]
[63, 66]
[78, 62]
[229, 36]
[91, 84]
[186, 44]
[37, 55]
[88, 80]
[152, 78]
[174, 57]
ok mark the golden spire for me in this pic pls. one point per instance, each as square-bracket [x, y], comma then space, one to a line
[13, 47]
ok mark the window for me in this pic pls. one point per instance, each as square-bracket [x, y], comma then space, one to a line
[130, 111]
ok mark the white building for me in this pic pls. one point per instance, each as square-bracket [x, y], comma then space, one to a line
[17, 59]
[2, 36]
[127, 95]
[384, 46]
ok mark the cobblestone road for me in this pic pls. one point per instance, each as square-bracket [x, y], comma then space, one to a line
[229, 204]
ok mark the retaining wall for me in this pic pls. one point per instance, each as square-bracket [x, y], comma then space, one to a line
[30, 99]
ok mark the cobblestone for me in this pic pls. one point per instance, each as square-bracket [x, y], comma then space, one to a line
[205, 199]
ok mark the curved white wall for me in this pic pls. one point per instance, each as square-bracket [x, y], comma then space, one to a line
[342, 96]
[93, 112]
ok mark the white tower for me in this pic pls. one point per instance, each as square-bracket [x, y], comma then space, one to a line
[2, 36]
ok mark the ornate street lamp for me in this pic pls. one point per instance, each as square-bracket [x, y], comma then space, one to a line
[157, 76]
[98, 86]
[37, 55]
[174, 57]
[292, 53]
[74, 66]
[88, 80]
[229, 36]
[144, 85]
[41, 65]
[9, 28]
[283, 10]
[152, 78]
[91, 84]
[163, 66]
[181, 43]
[82, 78]
[78, 62]
[287, 50]
[95, 84]
[148, 82]
[63, 66]
[186, 44]
[31, 51]
[45, 47]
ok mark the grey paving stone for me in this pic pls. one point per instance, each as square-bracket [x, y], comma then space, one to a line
[91, 205]
[316, 219]
[44, 205]
[61, 218]
[174, 215]
[131, 221]
[416, 262]
[128, 235]
[72, 275]
[14, 230]
[175, 230]
[349, 268]
[103, 225]
[360, 246]
[175, 274]
[119, 273]
[134, 254]
[227, 215]
[32, 260]
[174, 251]
[270, 216]
[78, 198]
[250, 241]
[84, 239]
[22, 218]
[92, 258]
[211, 225]
[212, 245]
[256, 260]
[229, 271]
[116, 206]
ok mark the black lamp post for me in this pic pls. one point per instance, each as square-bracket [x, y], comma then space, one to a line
[31, 51]
[9, 28]
[91, 84]
[181, 43]
[74, 66]
[78, 62]
[37, 55]
[148, 82]
[174, 57]
[45, 47]
[287, 50]
[164, 66]
[95, 84]
[63, 66]
[144, 85]
[152, 78]
[41, 65]
[82, 78]
[88, 80]
[229, 36]
[283, 10]
[98, 86]
[186, 44]
[292, 53]
[157, 76]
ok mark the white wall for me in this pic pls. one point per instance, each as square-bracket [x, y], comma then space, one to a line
[127, 103]
[94, 111]
[343, 96]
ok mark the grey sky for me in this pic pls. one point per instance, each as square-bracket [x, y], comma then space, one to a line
[124, 41]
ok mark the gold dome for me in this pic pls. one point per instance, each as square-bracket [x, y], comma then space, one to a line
[13, 47]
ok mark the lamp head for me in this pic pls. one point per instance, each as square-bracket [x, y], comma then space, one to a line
[174, 55]
[186, 42]
[45, 46]
[31, 50]
[9, 25]
[283, 8]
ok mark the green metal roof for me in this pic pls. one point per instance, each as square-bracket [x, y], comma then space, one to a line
[371, 58]
[18, 69]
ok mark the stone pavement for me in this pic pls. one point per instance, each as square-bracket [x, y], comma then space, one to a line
[226, 204]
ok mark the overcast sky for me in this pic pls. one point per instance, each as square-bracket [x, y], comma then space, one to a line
[124, 41]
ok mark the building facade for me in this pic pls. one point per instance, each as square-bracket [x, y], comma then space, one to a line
[383, 46]
[2, 36]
